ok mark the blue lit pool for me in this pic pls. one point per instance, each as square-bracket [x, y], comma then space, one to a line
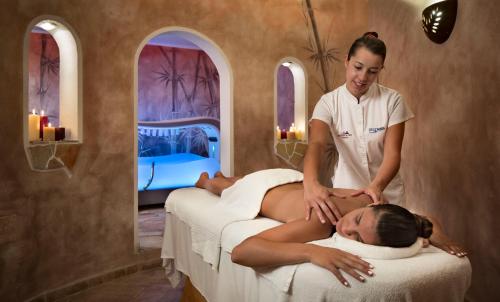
[172, 154]
[174, 171]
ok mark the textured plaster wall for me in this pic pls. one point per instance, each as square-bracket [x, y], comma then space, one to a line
[451, 148]
[56, 230]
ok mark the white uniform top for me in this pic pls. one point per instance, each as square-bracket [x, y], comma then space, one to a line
[358, 130]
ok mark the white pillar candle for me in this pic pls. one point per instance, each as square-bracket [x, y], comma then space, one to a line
[299, 134]
[33, 126]
[49, 133]
[278, 132]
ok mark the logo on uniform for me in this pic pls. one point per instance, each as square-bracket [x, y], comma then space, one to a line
[375, 130]
[345, 133]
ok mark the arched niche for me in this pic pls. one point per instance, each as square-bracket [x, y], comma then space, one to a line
[50, 155]
[226, 101]
[298, 73]
[290, 144]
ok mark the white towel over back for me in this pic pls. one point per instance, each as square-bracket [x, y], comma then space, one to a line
[244, 198]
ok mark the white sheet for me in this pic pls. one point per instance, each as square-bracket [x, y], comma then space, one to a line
[432, 273]
[198, 210]
[411, 279]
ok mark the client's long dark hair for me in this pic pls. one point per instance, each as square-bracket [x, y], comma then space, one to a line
[398, 227]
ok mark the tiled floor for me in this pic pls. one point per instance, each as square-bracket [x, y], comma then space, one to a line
[151, 226]
[144, 286]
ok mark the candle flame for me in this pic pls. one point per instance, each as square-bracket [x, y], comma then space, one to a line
[33, 111]
[50, 125]
[43, 113]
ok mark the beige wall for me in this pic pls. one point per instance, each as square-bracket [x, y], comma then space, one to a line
[451, 148]
[55, 230]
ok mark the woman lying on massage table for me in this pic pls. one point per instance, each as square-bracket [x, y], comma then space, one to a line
[385, 225]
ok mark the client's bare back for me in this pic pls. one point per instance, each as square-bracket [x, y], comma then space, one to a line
[283, 203]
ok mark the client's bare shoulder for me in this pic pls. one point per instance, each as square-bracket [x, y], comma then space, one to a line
[349, 203]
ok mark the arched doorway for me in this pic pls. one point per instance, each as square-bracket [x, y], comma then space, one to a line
[220, 141]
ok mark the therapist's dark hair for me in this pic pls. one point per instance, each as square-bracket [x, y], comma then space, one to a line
[371, 41]
[398, 227]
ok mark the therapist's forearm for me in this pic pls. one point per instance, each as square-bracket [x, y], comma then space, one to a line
[392, 156]
[387, 171]
[259, 252]
[312, 162]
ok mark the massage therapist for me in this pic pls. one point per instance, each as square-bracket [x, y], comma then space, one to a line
[367, 122]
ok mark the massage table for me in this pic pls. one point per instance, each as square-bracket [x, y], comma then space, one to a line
[430, 274]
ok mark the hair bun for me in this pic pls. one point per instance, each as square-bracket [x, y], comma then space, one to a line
[371, 34]
[424, 226]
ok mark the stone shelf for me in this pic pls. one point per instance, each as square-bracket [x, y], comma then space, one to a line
[51, 156]
[291, 151]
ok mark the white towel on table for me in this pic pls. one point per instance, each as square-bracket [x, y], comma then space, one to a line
[282, 277]
[239, 202]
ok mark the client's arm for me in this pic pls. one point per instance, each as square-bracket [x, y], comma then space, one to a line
[285, 244]
[440, 240]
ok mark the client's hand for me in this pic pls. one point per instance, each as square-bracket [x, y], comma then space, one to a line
[317, 197]
[335, 260]
[440, 240]
[374, 192]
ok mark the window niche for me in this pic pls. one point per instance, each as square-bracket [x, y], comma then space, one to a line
[290, 139]
[52, 131]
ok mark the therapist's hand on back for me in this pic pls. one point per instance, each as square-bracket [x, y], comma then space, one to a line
[374, 192]
[317, 198]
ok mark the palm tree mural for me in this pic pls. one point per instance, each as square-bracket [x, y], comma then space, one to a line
[169, 75]
[48, 66]
[205, 74]
[191, 89]
[321, 56]
[194, 140]
[210, 82]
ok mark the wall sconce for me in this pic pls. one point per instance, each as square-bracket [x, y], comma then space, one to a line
[438, 20]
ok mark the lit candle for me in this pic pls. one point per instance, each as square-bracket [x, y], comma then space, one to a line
[299, 134]
[33, 126]
[278, 132]
[291, 133]
[44, 121]
[49, 133]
